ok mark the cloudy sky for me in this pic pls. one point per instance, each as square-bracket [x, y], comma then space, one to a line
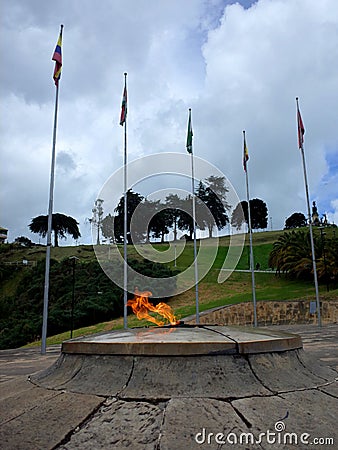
[237, 65]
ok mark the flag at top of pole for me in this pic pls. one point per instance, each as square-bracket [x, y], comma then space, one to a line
[301, 129]
[124, 103]
[245, 153]
[57, 57]
[189, 134]
[189, 150]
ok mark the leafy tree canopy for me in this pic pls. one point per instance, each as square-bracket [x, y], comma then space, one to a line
[24, 241]
[133, 200]
[296, 220]
[258, 214]
[212, 193]
[97, 297]
[61, 225]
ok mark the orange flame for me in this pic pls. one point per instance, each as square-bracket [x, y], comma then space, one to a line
[141, 307]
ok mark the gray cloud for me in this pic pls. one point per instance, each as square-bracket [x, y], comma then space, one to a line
[237, 68]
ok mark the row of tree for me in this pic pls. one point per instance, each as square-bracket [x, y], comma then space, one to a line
[148, 219]
[173, 215]
[154, 219]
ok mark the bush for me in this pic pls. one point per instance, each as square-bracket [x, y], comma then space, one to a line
[97, 298]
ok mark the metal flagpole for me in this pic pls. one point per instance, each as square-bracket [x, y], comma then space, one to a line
[250, 235]
[301, 131]
[195, 248]
[125, 251]
[189, 149]
[50, 208]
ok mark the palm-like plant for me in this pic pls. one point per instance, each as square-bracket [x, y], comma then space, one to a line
[61, 225]
[292, 254]
[327, 265]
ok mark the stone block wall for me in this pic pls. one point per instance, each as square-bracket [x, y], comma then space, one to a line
[269, 313]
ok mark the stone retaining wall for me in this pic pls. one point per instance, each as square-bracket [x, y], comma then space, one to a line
[269, 313]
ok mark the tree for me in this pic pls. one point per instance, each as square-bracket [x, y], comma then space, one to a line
[155, 218]
[237, 217]
[133, 200]
[174, 204]
[159, 223]
[97, 298]
[142, 219]
[296, 220]
[97, 217]
[23, 241]
[258, 214]
[107, 227]
[327, 260]
[292, 254]
[185, 222]
[213, 194]
[61, 225]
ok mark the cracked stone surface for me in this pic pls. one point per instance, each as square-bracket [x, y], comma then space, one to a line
[176, 424]
[205, 376]
[187, 421]
[180, 403]
[37, 418]
[308, 411]
[101, 375]
[120, 424]
[289, 372]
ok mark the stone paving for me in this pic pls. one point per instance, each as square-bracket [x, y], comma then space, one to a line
[259, 401]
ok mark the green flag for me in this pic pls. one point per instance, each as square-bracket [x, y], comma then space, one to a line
[189, 134]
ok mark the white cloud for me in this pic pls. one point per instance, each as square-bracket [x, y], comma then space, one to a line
[257, 62]
[237, 68]
[333, 215]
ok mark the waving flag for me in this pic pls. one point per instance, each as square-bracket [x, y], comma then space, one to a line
[245, 153]
[57, 57]
[124, 106]
[301, 129]
[189, 134]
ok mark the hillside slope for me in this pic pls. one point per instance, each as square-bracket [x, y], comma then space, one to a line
[98, 299]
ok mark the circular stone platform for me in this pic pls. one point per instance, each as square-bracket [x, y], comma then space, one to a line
[184, 340]
[188, 360]
[164, 388]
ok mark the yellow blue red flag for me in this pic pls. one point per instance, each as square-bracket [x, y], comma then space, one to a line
[57, 57]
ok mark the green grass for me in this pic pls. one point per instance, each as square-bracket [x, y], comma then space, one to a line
[84, 252]
[237, 288]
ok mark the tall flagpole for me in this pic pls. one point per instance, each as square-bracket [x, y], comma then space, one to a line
[57, 73]
[123, 121]
[189, 149]
[245, 159]
[301, 131]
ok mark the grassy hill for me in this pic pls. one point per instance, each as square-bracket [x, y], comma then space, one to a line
[237, 288]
